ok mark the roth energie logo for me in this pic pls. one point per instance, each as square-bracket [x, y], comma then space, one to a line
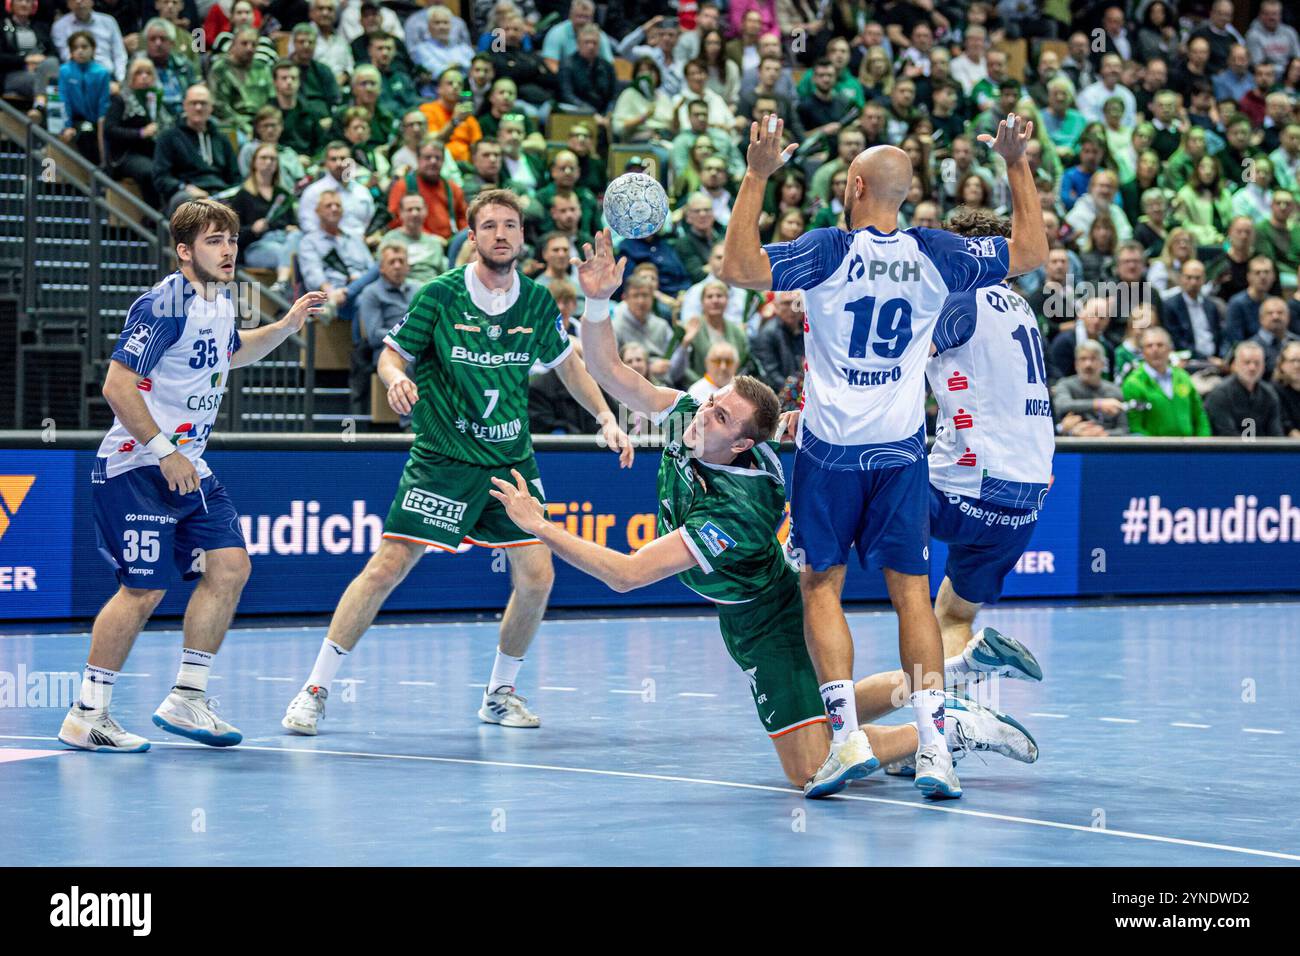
[13, 489]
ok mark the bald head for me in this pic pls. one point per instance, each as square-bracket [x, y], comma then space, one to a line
[879, 179]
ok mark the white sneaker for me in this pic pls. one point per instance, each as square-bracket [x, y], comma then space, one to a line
[851, 760]
[934, 774]
[96, 730]
[305, 711]
[190, 714]
[505, 707]
[902, 768]
[979, 728]
[992, 652]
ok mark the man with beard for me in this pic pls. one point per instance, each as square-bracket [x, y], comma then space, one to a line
[156, 503]
[443, 200]
[473, 334]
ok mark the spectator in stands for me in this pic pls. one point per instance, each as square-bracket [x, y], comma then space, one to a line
[369, 165]
[268, 230]
[564, 179]
[1286, 158]
[1097, 253]
[1243, 405]
[1286, 380]
[1128, 354]
[358, 204]
[1255, 198]
[221, 19]
[1153, 225]
[1093, 321]
[1243, 308]
[697, 235]
[661, 36]
[107, 48]
[970, 67]
[397, 92]
[779, 347]
[1054, 302]
[564, 39]
[301, 122]
[1064, 123]
[364, 87]
[698, 125]
[643, 112]
[1103, 188]
[719, 370]
[1179, 247]
[1084, 405]
[1271, 40]
[1204, 205]
[485, 158]
[1227, 274]
[658, 249]
[444, 200]
[535, 80]
[522, 169]
[1092, 98]
[240, 85]
[335, 262]
[84, 88]
[1194, 320]
[426, 254]
[318, 84]
[380, 306]
[696, 89]
[824, 112]
[1273, 334]
[564, 215]
[136, 117]
[438, 50]
[1168, 404]
[587, 79]
[1158, 35]
[701, 331]
[741, 303]
[985, 93]
[1279, 238]
[193, 159]
[1234, 80]
[174, 71]
[29, 60]
[634, 321]
[332, 48]
[1277, 114]
[1076, 179]
[962, 156]
[556, 262]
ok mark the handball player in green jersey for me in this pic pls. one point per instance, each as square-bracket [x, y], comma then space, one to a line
[472, 334]
[721, 496]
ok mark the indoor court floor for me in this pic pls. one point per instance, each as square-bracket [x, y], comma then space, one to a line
[1167, 735]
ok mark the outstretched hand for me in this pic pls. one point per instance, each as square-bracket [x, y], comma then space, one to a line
[522, 508]
[765, 155]
[598, 273]
[1014, 134]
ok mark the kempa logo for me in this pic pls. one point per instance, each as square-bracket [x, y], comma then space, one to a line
[13, 489]
[103, 909]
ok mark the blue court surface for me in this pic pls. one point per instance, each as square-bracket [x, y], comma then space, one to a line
[1167, 733]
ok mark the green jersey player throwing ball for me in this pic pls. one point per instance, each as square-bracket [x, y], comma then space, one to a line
[472, 333]
[721, 501]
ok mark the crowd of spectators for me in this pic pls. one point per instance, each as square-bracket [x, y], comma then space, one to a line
[351, 135]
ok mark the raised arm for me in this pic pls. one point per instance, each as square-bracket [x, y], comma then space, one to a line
[744, 263]
[599, 276]
[1027, 247]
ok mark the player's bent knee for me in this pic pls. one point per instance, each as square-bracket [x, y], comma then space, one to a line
[148, 598]
[228, 569]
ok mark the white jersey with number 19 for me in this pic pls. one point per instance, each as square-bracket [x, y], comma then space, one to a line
[871, 302]
[995, 438]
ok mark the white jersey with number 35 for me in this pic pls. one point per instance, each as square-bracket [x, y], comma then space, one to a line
[995, 436]
[871, 302]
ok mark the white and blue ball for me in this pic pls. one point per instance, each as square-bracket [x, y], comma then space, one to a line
[636, 205]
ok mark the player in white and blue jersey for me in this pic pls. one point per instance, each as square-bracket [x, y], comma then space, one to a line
[991, 463]
[872, 296]
[159, 511]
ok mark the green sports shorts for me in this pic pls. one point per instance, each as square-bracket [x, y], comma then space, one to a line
[765, 637]
[445, 503]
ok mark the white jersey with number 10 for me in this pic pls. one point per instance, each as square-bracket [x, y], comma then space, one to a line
[995, 437]
[871, 301]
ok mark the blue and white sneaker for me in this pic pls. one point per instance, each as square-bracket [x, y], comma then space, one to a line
[96, 730]
[935, 776]
[503, 706]
[902, 768]
[992, 652]
[974, 727]
[851, 760]
[190, 714]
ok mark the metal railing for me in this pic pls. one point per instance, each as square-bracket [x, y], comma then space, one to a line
[78, 249]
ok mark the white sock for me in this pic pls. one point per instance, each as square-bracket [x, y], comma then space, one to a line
[841, 708]
[194, 671]
[505, 669]
[97, 688]
[328, 662]
[928, 706]
[955, 670]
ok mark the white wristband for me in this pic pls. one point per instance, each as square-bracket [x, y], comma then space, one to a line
[160, 446]
[597, 310]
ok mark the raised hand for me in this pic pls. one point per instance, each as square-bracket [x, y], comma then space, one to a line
[765, 155]
[598, 273]
[309, 304]
[523, 509]
[1012, 139]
